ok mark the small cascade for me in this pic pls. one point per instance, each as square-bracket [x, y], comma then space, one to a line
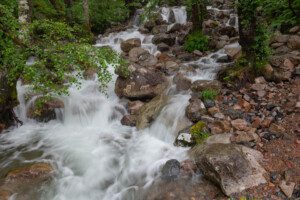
[94, 155]
[174, 14]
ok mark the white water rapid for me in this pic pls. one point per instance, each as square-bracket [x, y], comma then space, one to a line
[95, 157]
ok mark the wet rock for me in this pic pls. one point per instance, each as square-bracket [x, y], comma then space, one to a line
[149, 25]
[163, 47]
[184, 138]
[229, 31]
[186, 57]
[182, 82]
[233, 167]
[171, 170]
[142, 57]
[89, 74]
[294, 42]
[44, 110]
[129, 120]
[175, 28]
[136, 53]
[170, 67]
[143, 84]
[5, 194]
[31, 173]
[201, 85]
[233, 52]
[287, 189]
[164, 38]
[159, 29]
[223, 59]
[129, 44]
[150, 111]
[134, 106]
[195, 110]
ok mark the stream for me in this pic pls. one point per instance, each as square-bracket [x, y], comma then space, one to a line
[94, 155]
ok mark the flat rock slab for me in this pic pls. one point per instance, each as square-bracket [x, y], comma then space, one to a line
[233, 167]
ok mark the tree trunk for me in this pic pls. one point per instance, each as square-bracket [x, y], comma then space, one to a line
[86, 14]
[24, 17]
[69, 13]
[199, 12]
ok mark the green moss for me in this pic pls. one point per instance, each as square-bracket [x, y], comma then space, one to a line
[196, 41]
[198, 132]
[209, 94]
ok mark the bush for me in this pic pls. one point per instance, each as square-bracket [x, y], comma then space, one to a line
[196, 41]
[198, 132]
[209, 94]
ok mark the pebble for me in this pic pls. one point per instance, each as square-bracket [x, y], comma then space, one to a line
[287, 189]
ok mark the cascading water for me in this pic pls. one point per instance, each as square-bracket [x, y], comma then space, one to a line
[94, 156]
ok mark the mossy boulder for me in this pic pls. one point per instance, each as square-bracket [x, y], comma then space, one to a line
[44, 109]
[195, 134]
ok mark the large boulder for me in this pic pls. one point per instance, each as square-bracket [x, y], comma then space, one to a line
[129, 44]
[141, 85]
[233, 167]
[150, 111]
[164, 38]
[44, 110]
[142, 57]
[23, 182]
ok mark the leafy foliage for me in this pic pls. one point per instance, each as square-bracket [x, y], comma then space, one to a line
[254, 34]
[102, 13]
[196, 41]
[280, 14]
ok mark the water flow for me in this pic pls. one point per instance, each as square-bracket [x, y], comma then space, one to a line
[96, 157]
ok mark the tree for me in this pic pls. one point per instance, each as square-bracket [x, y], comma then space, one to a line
[198, 12]
[253, 31]
[86, 15]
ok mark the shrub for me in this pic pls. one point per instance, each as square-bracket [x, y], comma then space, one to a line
[209, 94]
[196, 41]
[198, 132]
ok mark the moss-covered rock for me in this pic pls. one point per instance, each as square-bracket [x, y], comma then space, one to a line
[43, 109]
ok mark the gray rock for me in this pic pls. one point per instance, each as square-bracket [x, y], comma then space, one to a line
[195, 110]
[164, 38]
[182, 82]
[129, 120]
[142, 84]
[233, 167]
[150, 111]
[129, 44]
[171, 170]
[163, 47]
